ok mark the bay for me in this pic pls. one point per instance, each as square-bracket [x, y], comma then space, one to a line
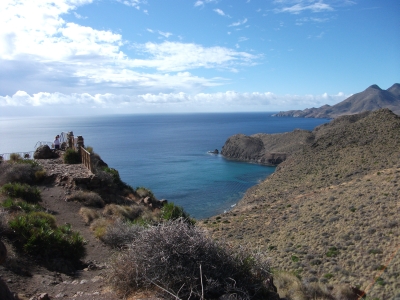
[167, 153]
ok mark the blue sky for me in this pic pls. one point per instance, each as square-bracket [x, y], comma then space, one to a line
[136, 56]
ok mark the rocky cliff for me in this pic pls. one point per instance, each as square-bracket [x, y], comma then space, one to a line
[267, 149]
[371, 99]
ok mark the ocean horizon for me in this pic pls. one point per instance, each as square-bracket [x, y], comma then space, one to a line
[167, 153]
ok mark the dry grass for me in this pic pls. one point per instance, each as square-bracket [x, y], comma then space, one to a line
[87, 198]
[130, 212]
[99, 227]
[89, 214]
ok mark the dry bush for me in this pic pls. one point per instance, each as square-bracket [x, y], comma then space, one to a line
[316, 290]
[130, 212]
[87, 198]
[121, 233]
[289, 286]
[345, 292]
[88, 214]
[180, 261]
[17, 172]
[99, 227]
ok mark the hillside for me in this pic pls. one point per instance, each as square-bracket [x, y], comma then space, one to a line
[371, 99]
[330, 212]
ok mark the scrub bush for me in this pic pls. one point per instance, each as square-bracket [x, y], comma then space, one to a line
[181, 262]
[38, 234]
[121, 233]
[22, 171]
[26, 192]
[72, 157]
[170, 211]
[14, 205]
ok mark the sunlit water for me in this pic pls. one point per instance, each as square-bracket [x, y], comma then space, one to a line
[165, 153]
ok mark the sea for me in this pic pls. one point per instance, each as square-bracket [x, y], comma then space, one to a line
[166, 153]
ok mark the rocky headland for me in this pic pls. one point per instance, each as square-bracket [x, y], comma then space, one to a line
[330, 212]
[371, 99]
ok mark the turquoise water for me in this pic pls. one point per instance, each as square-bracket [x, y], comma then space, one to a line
[165, 153]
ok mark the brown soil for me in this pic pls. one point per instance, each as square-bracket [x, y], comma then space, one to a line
[30, 278]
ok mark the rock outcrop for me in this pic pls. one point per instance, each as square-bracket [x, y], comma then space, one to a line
[266, 149]
[44, 152]
[371, 99]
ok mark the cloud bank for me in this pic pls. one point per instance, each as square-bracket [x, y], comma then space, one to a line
[163, 102]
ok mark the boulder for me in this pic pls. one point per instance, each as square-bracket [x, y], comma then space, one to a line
[214, 152]
[44, 152]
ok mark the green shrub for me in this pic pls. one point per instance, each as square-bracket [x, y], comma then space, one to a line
[182, 262]
[26, 192]
[89, 149]
[328, 276]
[72, 157]
[333, 251]
[170, 211]
[116, 179]
[12, 204]
[295, 258]
[38, 234]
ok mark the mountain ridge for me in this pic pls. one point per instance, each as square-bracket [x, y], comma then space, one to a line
[371, 99]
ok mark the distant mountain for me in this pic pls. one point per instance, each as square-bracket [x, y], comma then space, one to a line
[373, 98]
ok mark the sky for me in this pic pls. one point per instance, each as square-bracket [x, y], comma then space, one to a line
[83, 57]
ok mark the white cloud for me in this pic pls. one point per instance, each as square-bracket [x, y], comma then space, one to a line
[132, 3]
[241, 22]
[203, 2]
[38, 47]
[174, 56]
[165, 34]
[300, 7]
[219, 11]
[315, 6]
[223, 101]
